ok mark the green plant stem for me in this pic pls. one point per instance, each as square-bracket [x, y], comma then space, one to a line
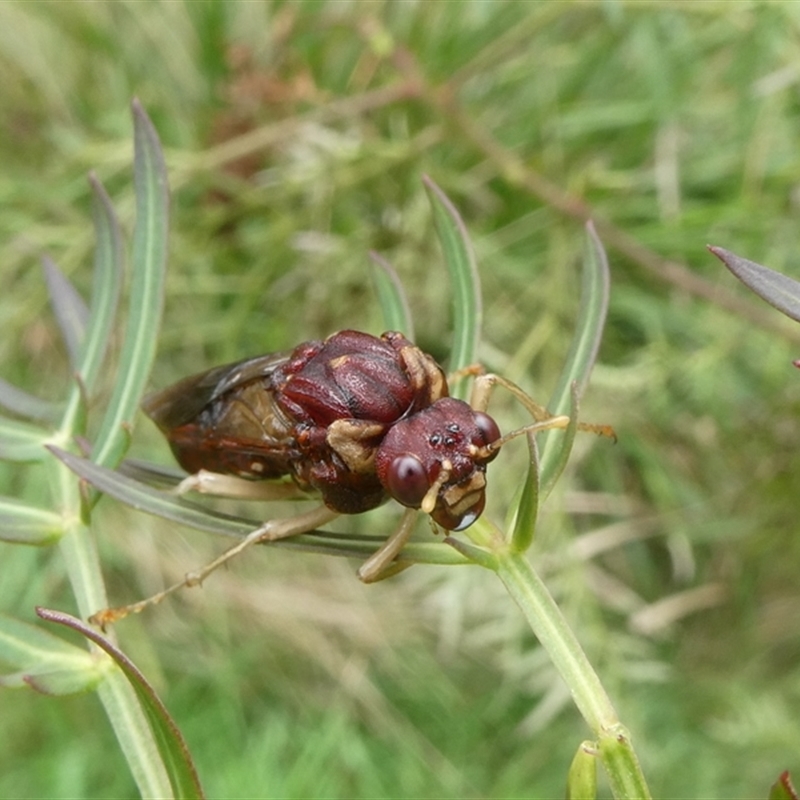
[78, 548]
[555, 635]
[118, 698]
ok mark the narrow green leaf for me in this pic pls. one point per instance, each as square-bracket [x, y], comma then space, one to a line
[392, 298]
[477, 555]
[585, 341]
[460, 259]
[582, 776]
[435, 553]
[173, 507]
[21, 441]
[27, 405]
[153, 474]
[780, 291]
[69, 307]
[105, 299]
[107, 283]
[590, 322]
[45, 662]
[147, 282]
[24, 645]
[528, 507]
[54, 681]
[562, 449]
[25, 524]
[169, 740]
[152, 501]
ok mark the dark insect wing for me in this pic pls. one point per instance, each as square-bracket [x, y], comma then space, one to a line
[225, 420]
[182, 402]
[241, 372]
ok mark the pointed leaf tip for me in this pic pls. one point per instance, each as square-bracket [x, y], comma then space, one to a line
[391, 296]
[459, 257]
[69, 307]
[783, 789]
[168, 738]
[777, 289]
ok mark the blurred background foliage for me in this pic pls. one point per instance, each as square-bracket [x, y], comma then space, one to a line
[296, 135]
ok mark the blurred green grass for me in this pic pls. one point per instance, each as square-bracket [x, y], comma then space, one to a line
[677, 125]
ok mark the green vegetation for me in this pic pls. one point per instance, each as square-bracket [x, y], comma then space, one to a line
[296, 137]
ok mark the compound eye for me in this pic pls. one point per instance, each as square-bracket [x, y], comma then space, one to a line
[488, 429]
[407, 480]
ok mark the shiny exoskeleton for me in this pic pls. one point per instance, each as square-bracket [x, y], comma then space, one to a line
[356, 417]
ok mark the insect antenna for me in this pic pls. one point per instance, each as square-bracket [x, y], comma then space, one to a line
[490, 449]
[556, 422]
[482, 388]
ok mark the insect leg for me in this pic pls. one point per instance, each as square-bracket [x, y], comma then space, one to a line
[379, 565]
[206, 482]
[268, 532]
[485, 383]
